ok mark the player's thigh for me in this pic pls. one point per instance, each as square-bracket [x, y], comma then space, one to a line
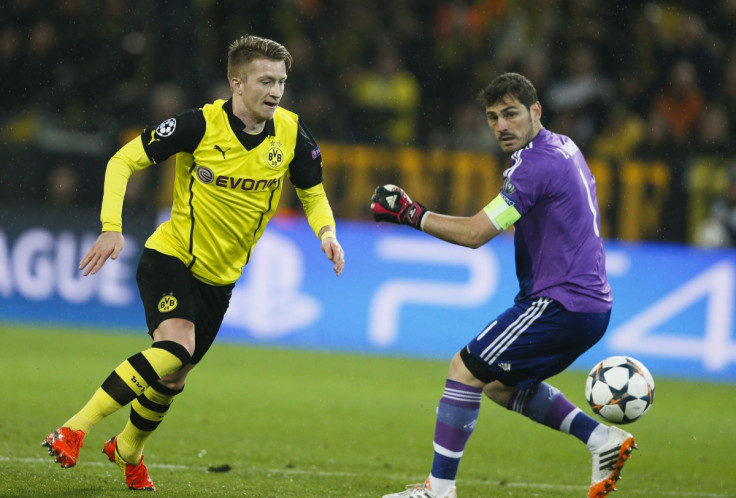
[214, 301]
[174, 299]
[167, 289]
[531, 341]
[178, 330]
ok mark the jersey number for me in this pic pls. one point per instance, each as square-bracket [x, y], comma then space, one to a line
[591, 204]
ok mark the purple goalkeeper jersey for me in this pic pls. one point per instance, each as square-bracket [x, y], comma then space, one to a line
[559, 250]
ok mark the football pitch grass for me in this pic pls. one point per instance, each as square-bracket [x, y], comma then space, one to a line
[269, 422]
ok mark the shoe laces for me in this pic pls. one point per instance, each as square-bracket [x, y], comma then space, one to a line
[413, 490]
[137, 476]
[72, 438]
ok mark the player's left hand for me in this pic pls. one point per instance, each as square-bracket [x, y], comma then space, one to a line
[333, 250]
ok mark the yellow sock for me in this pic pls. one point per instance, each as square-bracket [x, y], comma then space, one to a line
[146, 413]
[128, 381]
[98, 407]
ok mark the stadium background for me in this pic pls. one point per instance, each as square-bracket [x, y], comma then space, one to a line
[647, 89]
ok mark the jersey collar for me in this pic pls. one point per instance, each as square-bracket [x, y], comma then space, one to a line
[237, 124]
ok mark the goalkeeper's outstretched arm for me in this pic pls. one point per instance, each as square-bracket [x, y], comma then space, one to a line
[392, 204]
[469, 231]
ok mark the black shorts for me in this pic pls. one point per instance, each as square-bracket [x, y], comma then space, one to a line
[169, 290]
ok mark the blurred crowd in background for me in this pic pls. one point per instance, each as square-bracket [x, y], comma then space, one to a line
[635, 79]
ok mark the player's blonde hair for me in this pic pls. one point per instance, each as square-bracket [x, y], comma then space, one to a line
[249, 47]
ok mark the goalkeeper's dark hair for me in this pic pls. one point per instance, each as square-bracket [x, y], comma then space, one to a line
[250, 47]
[508, 85]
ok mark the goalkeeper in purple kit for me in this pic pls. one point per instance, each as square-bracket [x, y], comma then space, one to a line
[564, 301]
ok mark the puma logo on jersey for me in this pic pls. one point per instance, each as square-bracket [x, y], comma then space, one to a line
[217, 147]
[153, 137]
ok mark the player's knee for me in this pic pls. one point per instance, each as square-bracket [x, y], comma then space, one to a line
[176, 380]
[499, 392]
[174, 385]
[459, 372]
[177, 330]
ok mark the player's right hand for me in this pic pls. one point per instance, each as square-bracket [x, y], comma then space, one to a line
[390, 203]
[107, 245]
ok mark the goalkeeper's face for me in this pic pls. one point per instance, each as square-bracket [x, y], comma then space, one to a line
[514, 124]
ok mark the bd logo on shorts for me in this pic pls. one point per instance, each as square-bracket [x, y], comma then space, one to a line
[167, 303]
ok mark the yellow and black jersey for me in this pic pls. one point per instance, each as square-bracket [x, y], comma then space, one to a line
[227, 185]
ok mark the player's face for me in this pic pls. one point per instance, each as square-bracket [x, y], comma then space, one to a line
[260, 89]
[514, 124]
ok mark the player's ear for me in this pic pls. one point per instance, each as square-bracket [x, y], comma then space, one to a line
[235, 84]
[536, 111]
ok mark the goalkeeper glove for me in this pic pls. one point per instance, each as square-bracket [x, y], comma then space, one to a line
[390, 203]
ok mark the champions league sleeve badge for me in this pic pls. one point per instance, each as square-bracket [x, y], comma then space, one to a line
[166, 128]
[508, 187]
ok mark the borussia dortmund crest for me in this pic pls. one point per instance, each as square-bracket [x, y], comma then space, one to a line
[167, 303]
[275, 155]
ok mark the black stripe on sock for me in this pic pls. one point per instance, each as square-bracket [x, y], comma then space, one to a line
[158, 386]
[118, 389]
[144, 368]
[152, 405]
[174, 348]
[141, 423]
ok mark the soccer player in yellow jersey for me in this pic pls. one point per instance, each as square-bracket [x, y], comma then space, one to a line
[231, 161]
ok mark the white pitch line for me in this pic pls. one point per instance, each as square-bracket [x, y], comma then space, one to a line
[323, 473]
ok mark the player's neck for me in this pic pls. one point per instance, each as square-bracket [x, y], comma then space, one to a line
[251, 125]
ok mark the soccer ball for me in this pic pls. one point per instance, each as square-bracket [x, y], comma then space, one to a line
[620, 389]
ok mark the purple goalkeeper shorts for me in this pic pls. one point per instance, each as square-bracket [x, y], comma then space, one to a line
[532, 341]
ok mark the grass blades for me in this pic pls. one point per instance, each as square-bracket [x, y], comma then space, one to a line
[266, 422]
